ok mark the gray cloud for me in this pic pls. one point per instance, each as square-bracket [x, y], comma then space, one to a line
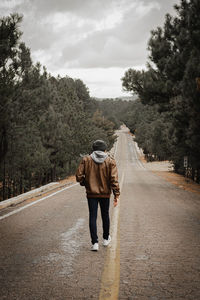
[84, 33]
[122, 46]
[92, 9]
[89, 34]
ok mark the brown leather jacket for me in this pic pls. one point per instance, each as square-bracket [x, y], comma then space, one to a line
[99, 179]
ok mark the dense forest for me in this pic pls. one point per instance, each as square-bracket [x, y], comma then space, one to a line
[166, 117]
[46, 123]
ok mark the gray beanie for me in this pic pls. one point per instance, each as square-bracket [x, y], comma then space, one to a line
[99, 145]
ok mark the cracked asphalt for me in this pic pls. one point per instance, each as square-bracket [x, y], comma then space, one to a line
[44, 249]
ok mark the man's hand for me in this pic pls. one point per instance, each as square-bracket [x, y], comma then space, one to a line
[116, 200]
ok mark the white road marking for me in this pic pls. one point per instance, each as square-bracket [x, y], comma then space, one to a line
[134, 155]
[116, 147]
[35, 202]
[69, 247]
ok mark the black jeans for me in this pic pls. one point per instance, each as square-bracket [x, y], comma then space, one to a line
[93, 208]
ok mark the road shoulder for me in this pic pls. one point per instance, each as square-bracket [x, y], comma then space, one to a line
[37, 193]
[164, 169]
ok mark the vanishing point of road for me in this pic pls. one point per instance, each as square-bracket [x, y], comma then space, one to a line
[155, 250]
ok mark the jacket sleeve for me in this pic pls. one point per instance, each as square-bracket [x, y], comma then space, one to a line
[80, 173]
[114, 179]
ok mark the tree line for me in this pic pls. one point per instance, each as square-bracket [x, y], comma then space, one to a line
[46, 122]
[165, 118]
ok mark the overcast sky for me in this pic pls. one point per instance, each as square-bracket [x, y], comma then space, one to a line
[94, 40]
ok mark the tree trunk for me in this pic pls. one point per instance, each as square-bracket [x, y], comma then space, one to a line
[193, 173]
[13, 188]
[70, 166]
[198, 176]
[4, 180]
[9, 188]
[30, 182]
[21, 184]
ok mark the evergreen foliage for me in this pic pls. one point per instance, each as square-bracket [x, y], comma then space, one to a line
[46, 123]
[170, 87]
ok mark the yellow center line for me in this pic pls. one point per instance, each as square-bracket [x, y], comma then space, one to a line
[111, 273]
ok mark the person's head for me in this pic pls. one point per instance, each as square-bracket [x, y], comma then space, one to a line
[99, 145]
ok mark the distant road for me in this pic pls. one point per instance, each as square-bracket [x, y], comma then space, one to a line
[44, 250]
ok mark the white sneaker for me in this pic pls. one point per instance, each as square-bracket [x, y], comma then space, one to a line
[107, 242]
[95, 247]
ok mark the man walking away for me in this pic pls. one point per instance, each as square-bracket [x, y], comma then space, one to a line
[98, 173]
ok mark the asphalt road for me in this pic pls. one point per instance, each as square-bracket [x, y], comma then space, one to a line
[155, 253]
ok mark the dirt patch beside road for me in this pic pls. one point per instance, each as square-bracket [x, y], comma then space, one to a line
[165, 170]
[179, 181]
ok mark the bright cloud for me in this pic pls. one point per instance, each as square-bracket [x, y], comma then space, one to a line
[93, 40]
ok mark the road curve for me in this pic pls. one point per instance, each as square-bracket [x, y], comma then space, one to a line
[44, 250]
